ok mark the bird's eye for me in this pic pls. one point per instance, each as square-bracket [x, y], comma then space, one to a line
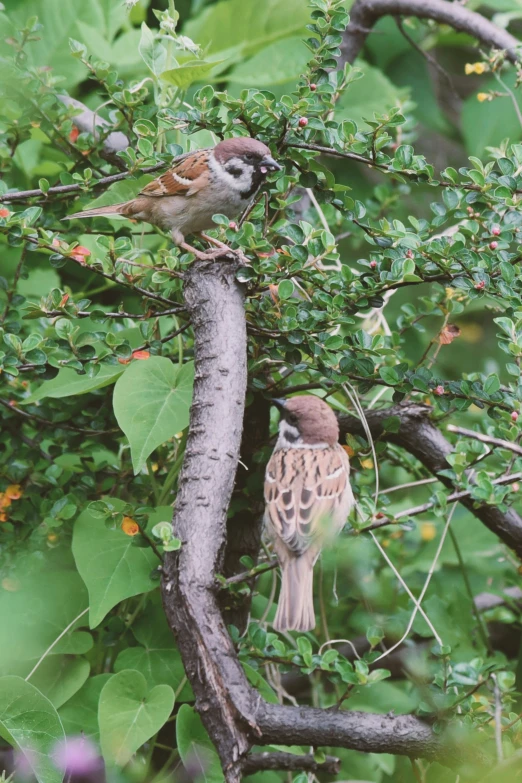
[291, 418]
[249, 157]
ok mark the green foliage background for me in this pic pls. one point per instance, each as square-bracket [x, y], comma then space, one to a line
[93, 434]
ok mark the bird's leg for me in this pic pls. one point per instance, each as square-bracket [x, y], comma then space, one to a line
[237, 252]
[200, 254]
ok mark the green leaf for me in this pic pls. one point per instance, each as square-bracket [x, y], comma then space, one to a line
[151, 404]
[195, 746]
[111, 567]
[258, 681]
[389, 375]
[492, 384]
[285, 289]
[59, 677]
[157, 657]
[30, 723]
[69, 384]
[153, 53]
[80, 715]
[129, 714]
[372, 94]
[184, 75]
[239, 28]
[279, 62]
[45, 600]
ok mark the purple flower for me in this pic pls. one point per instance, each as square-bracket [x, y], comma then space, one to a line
[77, 756]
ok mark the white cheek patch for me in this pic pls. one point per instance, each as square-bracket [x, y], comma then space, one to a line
[241, 183]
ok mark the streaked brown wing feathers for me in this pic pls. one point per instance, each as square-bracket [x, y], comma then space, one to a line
[188, 174]
[299, 482]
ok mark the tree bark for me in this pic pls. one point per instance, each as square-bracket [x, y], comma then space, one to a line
[365, 13]
[223, 696]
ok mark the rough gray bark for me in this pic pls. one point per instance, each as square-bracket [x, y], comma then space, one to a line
[418, 435]
[365, 13]
[223, 696]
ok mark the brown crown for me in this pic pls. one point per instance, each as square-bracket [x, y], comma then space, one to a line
[316, 421]
[231, 148]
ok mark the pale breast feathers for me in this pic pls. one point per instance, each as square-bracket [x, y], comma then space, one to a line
[305, 493]
[188, 174]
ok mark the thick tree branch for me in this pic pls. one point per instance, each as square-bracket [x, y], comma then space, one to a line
[223, 696]
[418, 435]
[365, 13]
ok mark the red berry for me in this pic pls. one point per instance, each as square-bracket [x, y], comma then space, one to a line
[439, 390]
[313, 87]
[373, 264]
[4, 212]
[495, 231]
[480, 286]
[493, 245]
[232, 225]
[514, 416]
[303, 122]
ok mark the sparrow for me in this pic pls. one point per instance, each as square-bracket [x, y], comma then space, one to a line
[308, 498]
[198, 185]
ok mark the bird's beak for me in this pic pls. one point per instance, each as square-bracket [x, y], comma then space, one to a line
[269, 164]
[279, 403]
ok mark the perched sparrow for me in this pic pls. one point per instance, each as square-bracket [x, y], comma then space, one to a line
[197, 186]
[308, 497]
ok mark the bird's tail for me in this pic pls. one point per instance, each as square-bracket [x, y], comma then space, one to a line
[113, 209]
[295, 611]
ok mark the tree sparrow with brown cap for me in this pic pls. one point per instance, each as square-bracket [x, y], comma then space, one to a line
[308, 498]
[198, 185]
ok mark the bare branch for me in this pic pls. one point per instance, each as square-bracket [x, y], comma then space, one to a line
[289, 761]
[418, 435]
[503, 444]
[365, 13]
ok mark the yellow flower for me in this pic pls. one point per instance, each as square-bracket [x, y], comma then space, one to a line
[130, 527]
[14, 491]
[367, 463]
[483, 96]
[470, 68]
[428, 531]
[5, 501]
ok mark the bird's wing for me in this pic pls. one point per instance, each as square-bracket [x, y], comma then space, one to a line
[306, 493]
[188, 174]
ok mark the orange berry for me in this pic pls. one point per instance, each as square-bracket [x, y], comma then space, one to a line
[141, 355]
[73, 135]
[130, 527]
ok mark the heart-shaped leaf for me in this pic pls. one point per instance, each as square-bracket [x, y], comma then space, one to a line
[151, 404]
[111, 567]
[129, 714]
[30, 723]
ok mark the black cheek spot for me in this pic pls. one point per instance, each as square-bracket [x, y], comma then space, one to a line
[291, 437]
[235, 171]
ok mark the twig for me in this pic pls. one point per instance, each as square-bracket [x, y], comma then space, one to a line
[288, 761]
[55, 424]
[60, 190]
[498, 719]
[504, 444]
[454, 497]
